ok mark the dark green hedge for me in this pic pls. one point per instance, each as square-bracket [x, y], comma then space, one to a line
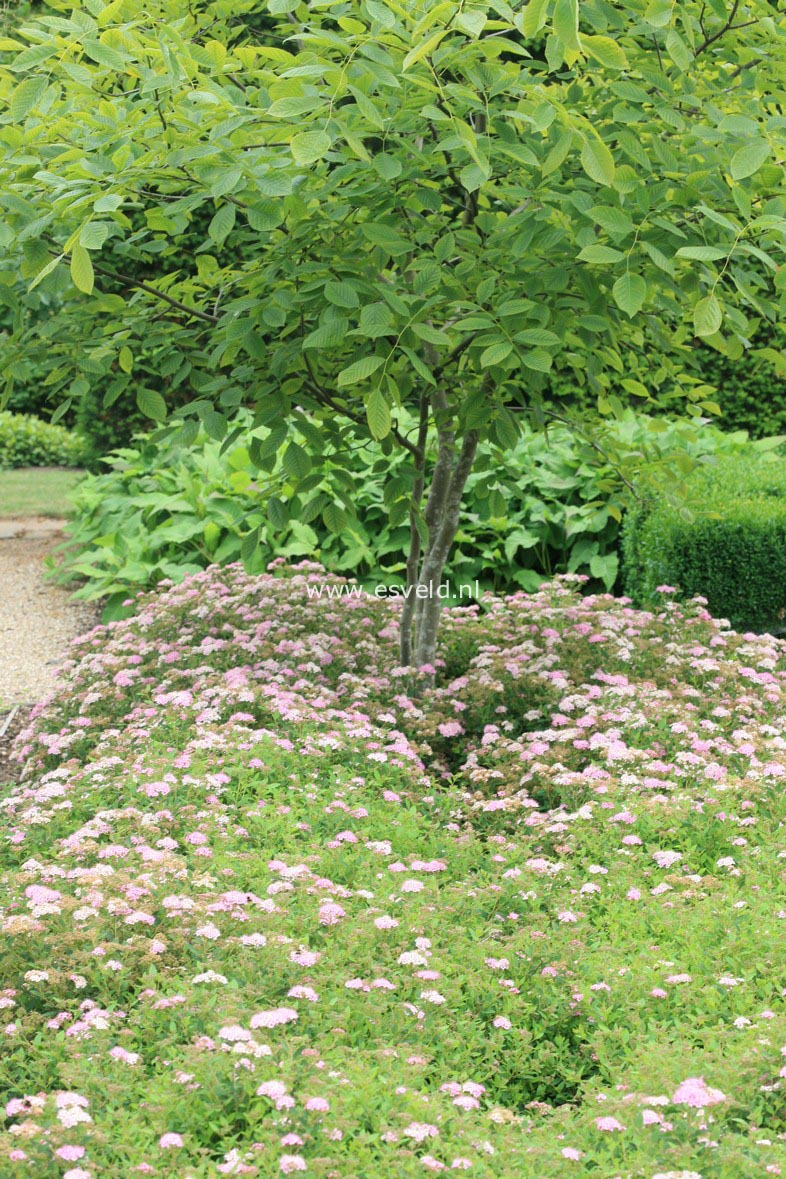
[727, 543]
[27, 441]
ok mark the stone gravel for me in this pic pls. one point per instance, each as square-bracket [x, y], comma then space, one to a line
[37, 619]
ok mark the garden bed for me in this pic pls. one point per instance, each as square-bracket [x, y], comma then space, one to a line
[267, 909]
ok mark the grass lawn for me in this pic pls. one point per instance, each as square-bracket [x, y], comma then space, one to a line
[37, 491]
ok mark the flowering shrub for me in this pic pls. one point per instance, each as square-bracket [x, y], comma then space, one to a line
[270, 907]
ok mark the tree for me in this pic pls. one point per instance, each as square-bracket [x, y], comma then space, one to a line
[412, 213]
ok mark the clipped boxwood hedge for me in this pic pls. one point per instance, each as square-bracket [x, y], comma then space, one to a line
[727, 542]
[27, 441]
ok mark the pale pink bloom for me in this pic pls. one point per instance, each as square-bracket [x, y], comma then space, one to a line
[170, 1141]
[497, 963]
[420, 1131]
[289, 1163]
[305, 957]
[666, 859]
[274, 1017]
[301, 992]
[209, 931]
[608, 1124]
[119, 1053]
[272, 1089]
[696, 1093]
[234, 1033]
[330, 914]
[71, 1154]
[318, 1104]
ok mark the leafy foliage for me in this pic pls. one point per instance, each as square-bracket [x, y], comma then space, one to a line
[162, 510]
[27, 441]
[406, 210]
[728, 543]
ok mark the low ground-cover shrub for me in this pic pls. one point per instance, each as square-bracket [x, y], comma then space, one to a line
[728, 542]
[166, 511]
[27, 441]
[249, 926]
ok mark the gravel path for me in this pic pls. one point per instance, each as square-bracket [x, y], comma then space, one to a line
[37, 619]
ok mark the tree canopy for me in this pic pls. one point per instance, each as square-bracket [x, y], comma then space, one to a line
[388, 221]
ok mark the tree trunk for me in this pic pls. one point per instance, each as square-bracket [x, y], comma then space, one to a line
[447, 511]
[425, 569]
[413, 557]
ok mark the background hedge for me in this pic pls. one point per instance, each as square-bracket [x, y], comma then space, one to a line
[28, 441]
[727, 543]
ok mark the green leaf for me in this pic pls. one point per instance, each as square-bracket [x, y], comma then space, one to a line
[630, 291]
[214, 424]
[103, 55]
[472, 176]
[265, 216]
[422, 50]
[558, 153]
[658, 13]
[537, 337]
[598, 162]
[605, 51]
[702, 253]
[707, 316]
[748, 159]
[472, 21]
[226, 182]
[249, 545]
[108, 203]
[222, 223]
[430, 334]
[678, 51]
[293, 107]
[375, 320]
[335, 518]
[41, 275]
[613, 220]
[341, 294]
[126, 359]
[309, 146]
[600, 254]
[605, 568]
[359, 371]
[538, 359]
[93, 235]
[368, 108]
[328, 335]
[151, 404]
[378, 414]
[566, 23]
[495, 353]
[277, 512]
[534, 17]
[27, 95]
[82, 270]
[295, 461]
